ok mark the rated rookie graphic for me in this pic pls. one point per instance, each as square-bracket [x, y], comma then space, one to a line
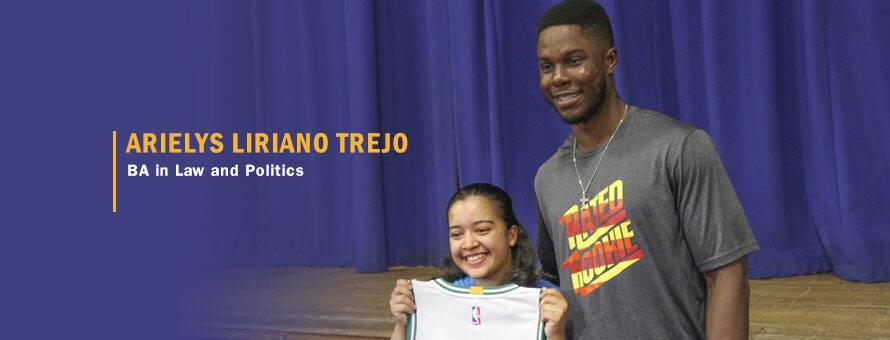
[601, 240]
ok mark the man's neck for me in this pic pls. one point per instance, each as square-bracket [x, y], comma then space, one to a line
[596, 131]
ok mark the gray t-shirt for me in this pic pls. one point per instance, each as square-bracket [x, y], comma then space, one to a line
[662, 211]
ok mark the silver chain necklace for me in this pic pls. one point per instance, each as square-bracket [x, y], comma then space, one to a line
[584, 198]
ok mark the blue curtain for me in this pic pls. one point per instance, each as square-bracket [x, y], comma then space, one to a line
[794, 93]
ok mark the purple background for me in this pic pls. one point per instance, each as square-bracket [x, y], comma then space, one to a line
[793, 93]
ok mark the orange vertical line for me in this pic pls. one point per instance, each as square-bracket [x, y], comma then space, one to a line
[114, 171]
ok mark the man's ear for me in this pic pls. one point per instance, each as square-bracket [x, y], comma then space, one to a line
[611, 60]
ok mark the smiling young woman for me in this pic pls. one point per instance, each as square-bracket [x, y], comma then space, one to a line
[480, 241]
[489, 247]
[488, 244]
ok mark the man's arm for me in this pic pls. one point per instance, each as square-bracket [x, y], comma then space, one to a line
[545, 250]
[728, 301]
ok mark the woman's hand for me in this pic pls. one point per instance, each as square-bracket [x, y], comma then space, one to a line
[554, 310]
[401, 302]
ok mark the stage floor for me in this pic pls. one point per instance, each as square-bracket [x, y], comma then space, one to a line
[327, 304]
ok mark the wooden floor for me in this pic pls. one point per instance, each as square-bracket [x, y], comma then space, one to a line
[327, 304]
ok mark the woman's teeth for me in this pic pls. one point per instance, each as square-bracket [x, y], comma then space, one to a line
[473, 259]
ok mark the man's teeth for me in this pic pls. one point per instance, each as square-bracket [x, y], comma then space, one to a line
[566, 97]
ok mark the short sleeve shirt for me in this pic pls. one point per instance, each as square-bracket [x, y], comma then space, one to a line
[662, 212]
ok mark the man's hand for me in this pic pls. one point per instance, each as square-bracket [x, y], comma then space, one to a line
[553, 313]
[728, 301]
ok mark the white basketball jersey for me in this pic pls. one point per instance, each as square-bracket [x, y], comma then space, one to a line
[448, 312]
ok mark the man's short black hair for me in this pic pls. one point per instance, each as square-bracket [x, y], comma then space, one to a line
[585, 13]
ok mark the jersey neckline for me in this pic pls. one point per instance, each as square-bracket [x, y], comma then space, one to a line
[491, 290]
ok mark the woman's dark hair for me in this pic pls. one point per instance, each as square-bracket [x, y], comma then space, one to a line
[524, 271]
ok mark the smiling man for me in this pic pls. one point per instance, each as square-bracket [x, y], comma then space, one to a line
[637, 217]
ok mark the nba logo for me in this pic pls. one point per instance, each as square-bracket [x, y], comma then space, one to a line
[477, 315]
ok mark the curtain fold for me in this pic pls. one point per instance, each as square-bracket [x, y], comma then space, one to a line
[367, 199]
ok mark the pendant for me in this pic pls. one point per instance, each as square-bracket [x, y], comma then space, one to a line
[584, 201]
